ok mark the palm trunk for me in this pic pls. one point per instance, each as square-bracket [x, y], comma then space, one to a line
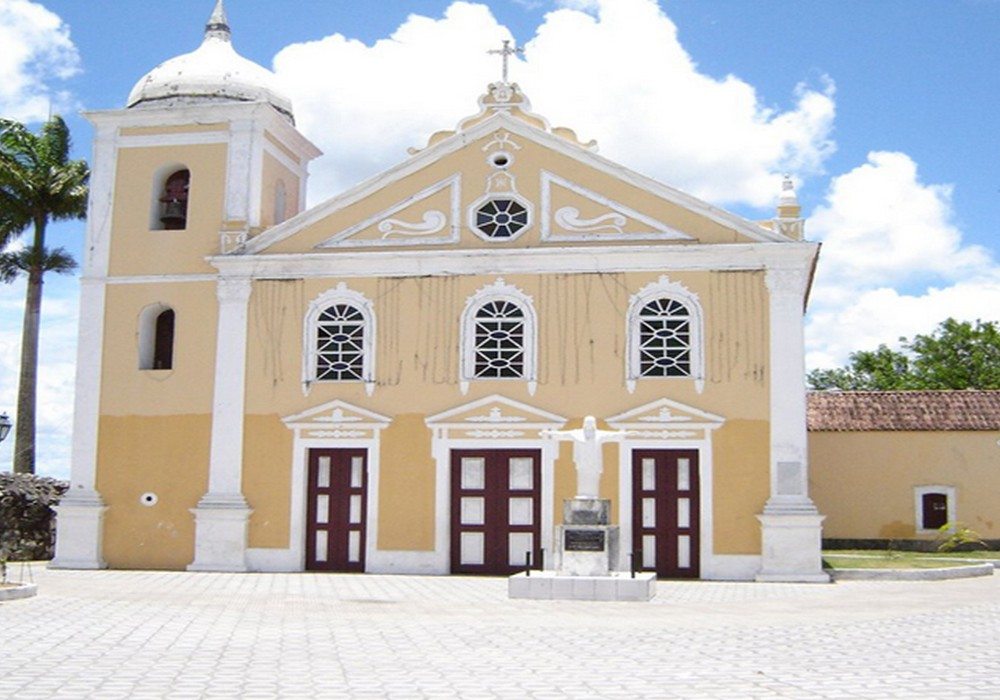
[27, 391]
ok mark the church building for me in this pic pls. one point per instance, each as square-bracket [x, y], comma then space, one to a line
[367, 385]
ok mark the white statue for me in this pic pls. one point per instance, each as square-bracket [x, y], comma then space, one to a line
[587, 453]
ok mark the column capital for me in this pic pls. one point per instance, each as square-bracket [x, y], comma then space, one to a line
[233, 290]
[787, 281]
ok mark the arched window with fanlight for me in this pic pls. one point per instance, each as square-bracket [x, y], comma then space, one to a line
[340, 339]
[499, 336]
[664, 335]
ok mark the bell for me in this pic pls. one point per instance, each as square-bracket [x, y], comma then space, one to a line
[174, 215]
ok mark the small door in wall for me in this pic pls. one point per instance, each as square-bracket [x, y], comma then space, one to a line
[336, 510]
[495, 510]
[665, 512]
[935, 511]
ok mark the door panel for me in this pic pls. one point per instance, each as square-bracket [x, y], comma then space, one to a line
[336, 510]
[935, 506]
[665, 512]
[496, 510]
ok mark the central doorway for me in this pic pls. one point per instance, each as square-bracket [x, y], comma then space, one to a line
[337, 510]
[495, 510]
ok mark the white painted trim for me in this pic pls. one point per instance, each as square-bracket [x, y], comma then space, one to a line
[342, 239]
[351, 419]
[512, 194]
[226, 457]
[542, 418]
[665, 288]
[658, 229]
[339, 294]
[239, 171]
[499, 261]
[444, 424]
[271, 149]
[918, 507]
[788, 439]
[498, 291]
[670, 440]
[194, 138]
[256, 180]
[153, 279]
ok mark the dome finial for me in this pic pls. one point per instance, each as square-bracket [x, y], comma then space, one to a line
[218, 24]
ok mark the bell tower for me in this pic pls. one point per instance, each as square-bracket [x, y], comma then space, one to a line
[204, 156]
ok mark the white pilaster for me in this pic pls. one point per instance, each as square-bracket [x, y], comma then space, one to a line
[791, 527]
[222, 515]
[80, 513]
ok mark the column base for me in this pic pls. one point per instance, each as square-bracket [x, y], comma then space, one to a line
[79, 531]
[220, 540]
[791, 546]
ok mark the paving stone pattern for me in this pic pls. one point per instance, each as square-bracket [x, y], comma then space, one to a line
[119, 634]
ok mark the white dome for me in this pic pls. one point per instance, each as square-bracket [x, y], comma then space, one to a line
[212, 72]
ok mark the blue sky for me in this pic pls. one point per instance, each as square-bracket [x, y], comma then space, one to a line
[885, 112]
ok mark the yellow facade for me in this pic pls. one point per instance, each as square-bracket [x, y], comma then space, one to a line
[225, 438]
[865, 481]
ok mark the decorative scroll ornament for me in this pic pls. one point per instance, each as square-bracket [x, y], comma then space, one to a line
[433, 221]
[569, 219]
[337, 416]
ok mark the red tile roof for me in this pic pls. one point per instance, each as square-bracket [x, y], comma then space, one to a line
[903, 410]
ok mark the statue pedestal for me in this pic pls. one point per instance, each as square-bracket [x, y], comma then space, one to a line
[586, 544]
[585, 558]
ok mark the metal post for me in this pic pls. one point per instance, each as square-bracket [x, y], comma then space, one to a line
[527, 563]
[631, 563]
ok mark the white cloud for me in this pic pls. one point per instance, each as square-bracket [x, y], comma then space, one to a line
[37, 50]
[883, 231]
[641, 96]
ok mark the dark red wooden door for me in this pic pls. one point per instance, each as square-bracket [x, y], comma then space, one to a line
[495, 510]
[336, 510]
[665, 512]
[935, 510]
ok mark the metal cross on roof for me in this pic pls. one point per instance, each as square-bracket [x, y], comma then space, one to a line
[506, 52]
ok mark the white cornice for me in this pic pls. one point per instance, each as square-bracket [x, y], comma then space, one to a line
[274, 122]
[410, 263]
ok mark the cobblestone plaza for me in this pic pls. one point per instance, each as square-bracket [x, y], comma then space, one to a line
[133, 634]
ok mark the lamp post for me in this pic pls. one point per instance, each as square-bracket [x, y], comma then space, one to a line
[4, 426]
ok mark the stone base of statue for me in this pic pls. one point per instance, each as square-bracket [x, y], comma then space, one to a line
[585, 560]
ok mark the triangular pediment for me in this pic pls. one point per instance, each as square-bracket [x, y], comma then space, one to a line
[495, 411]
[665, 414]
[337, 414]
[572, 212]
[564, 195]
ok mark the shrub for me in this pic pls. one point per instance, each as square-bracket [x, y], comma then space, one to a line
[956, 537]
[27, 521]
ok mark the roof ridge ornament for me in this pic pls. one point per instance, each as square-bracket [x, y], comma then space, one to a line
[505, 52]
[217, 26]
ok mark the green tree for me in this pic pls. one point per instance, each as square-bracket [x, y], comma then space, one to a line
[38, 184]
[957, 355]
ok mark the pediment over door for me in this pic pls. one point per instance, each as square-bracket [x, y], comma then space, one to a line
[665, 419]
[493, 417]
[337, 420]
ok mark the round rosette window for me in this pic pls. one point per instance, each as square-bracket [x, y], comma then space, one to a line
[501, 218]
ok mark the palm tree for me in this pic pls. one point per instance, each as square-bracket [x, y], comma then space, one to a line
[38, 184]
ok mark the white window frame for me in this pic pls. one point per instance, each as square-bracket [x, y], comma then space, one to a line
[664, 288]
[918, 507]
[499, 291]
[338, 295]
